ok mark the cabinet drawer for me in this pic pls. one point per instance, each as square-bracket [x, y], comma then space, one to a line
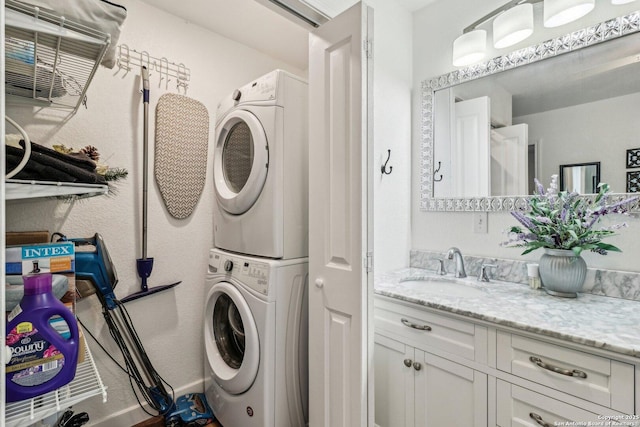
[426, 330]
[519, 407]
[594, 378]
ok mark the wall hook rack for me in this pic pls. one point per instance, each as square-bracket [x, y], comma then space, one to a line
[383, 168]
[129, 58]
[436, 171]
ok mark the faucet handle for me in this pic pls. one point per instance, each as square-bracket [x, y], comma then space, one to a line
[440, 270]
[483, 276]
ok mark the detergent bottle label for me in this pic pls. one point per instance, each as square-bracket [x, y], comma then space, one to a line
[34, 360]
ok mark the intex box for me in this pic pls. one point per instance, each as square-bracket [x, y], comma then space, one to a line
[55, 258]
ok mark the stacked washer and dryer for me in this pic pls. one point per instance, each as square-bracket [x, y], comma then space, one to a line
[256, 312]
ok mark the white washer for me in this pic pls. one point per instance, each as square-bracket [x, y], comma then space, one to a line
[256, 340]
[260, 168]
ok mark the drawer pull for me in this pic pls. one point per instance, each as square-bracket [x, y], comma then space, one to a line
[537, 418]
[405, 322]
[557, 370]
[408, 363]
[417, 366]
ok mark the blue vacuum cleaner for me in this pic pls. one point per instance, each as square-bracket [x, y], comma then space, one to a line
[94, 265]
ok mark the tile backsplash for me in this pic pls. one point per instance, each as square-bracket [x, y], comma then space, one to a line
[610, 283]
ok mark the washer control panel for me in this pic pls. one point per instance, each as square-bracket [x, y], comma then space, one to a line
[251, 273]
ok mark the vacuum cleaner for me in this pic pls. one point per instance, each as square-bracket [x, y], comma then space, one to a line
[95, 273]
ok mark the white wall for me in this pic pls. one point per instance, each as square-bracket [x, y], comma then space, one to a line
[435, 27]
[392, 90]
[566, 137]
[169, 323]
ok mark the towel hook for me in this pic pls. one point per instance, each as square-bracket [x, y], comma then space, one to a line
[124, 59]
[435, 172]
[383, 168]
[142, 61]
[166, 72]
[182, 78]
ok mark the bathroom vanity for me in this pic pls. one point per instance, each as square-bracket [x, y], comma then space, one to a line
[501, 354]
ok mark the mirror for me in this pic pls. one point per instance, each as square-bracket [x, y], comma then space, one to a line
[491, 128]
[582, 178]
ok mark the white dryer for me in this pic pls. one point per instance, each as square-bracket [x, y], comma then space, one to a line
[256, 340]
[260, 168]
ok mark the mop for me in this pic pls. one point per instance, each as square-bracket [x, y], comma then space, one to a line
[145, 264]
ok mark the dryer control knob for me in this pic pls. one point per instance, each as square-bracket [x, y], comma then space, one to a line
[228, 265]
[236, 95]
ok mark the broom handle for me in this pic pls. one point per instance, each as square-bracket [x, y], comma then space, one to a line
[145, 157]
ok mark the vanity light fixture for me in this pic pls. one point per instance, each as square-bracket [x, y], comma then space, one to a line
[560, 12]
[469, 48]
[512, 23]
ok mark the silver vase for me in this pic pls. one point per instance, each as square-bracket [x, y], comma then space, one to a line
[562, 272]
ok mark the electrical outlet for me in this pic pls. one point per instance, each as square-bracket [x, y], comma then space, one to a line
[480, 222]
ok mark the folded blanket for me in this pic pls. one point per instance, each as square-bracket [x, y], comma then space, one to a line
[48, 165]
[102, 15]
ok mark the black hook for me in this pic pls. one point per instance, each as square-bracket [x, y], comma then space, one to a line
[435, 172]
[383, 168]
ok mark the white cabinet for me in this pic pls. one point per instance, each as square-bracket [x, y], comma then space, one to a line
[597, 379]
[416, 388]
[394, 382]
[448, 394]
[436, 369]
[519, 407]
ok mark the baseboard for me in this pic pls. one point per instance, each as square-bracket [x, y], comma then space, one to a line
[134, 414]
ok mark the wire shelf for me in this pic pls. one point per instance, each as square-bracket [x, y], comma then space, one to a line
[87, 383]
[18, 189]
[49, 60]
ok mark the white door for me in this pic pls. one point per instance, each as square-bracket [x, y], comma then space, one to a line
[470, 157]
[509, 160]
[339, 230]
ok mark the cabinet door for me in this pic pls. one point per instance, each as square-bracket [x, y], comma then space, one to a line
[393, 383]
[448, 394]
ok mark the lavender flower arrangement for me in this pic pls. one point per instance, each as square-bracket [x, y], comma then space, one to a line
[564, 220]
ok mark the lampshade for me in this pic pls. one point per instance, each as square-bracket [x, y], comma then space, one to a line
[560, 12]
[621, 1]
[469, 48]
[513, 26]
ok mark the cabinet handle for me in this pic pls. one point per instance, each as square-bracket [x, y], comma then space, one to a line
[417, 366]
[408, 363]
[557, 370]
[537, 418]
[405, 322]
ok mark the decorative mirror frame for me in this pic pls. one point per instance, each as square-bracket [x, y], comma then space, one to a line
[604, 31]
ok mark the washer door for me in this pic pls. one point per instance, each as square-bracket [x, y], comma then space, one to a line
[240, 161]
[231, 339]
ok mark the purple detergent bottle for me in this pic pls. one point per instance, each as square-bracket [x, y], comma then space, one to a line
[41, 359]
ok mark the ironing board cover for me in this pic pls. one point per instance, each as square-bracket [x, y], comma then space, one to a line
[182, 138]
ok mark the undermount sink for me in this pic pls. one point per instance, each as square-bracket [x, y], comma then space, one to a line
[442, 287]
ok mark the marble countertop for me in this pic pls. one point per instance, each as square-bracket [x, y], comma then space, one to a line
[609, 323]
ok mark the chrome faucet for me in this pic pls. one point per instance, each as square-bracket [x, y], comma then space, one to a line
[455, 253]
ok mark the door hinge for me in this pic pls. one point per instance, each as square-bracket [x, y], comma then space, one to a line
[368, 262]
[367, 47]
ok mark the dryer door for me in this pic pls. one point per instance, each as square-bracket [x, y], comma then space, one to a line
[240, 161]
[231, 339]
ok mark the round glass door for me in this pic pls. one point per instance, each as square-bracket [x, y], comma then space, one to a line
[231, 339]
[240, 162]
